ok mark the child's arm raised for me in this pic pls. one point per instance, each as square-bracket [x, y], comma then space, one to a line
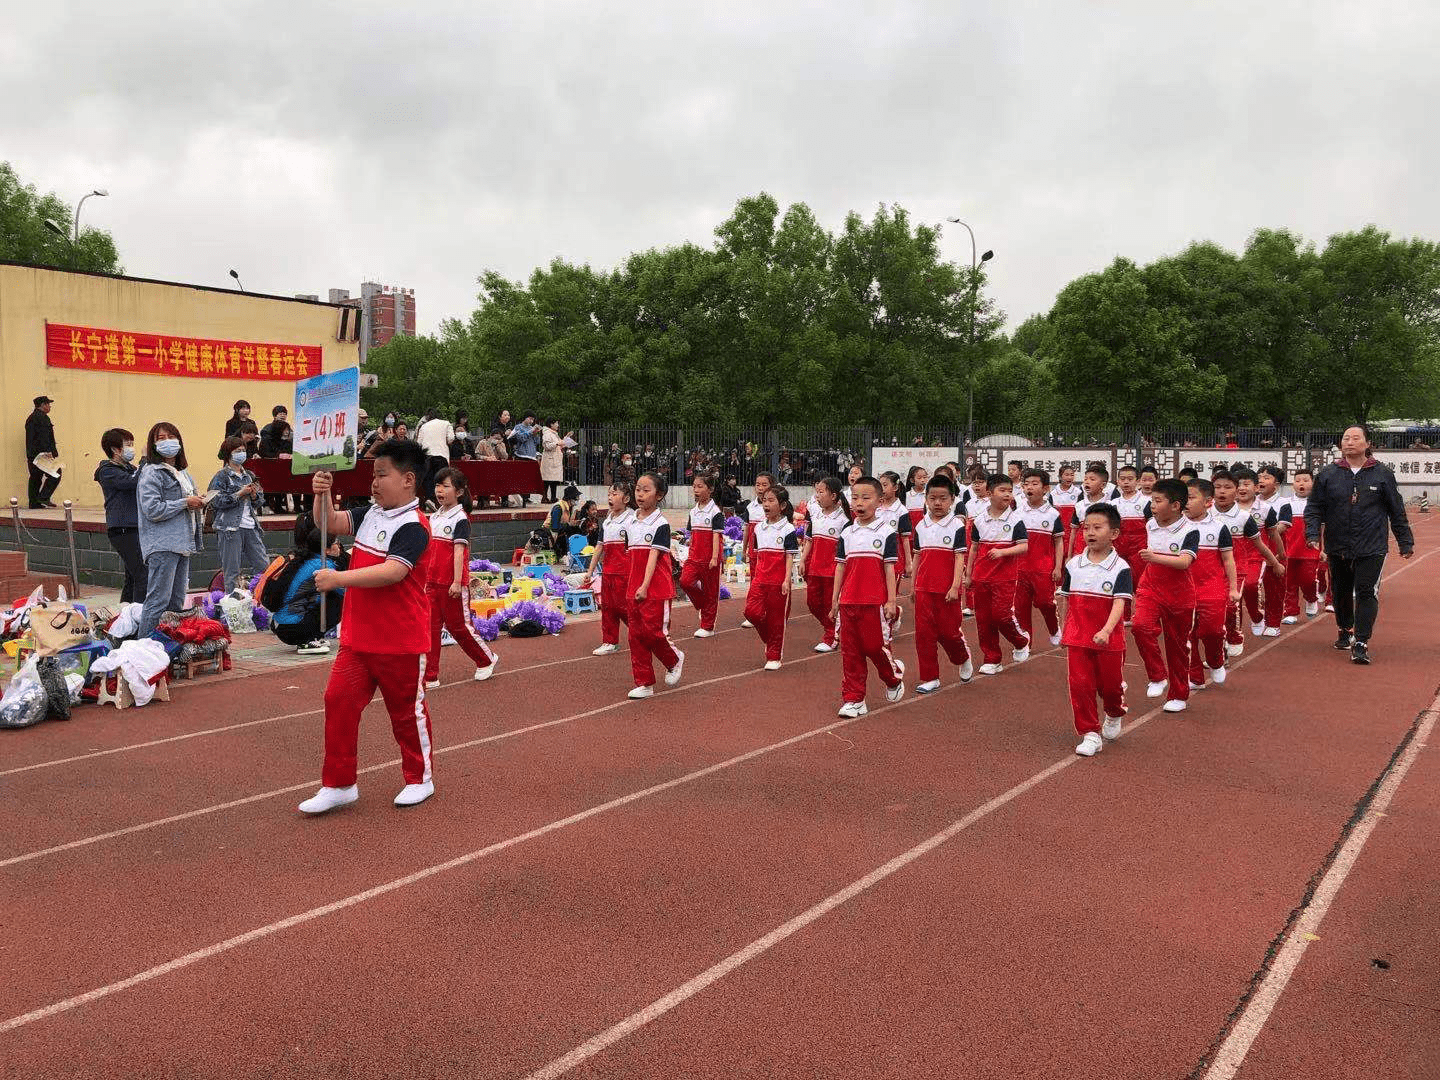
[339, 522]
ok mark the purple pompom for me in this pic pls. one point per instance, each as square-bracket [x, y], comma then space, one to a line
[261, 617]
[216, 596]
[484, 566]
[799, 532]
[724, 592]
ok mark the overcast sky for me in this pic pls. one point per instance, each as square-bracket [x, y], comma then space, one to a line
[312, 146]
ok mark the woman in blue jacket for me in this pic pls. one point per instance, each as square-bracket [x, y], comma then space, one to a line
[238, 502]
[118, 477]
[169, 521]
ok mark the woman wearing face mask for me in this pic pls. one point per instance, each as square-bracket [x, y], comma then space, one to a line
[237, 501]
[117, 477]
[169, 524]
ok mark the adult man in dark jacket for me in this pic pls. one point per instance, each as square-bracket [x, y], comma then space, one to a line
[1354, 500]
[40, 439]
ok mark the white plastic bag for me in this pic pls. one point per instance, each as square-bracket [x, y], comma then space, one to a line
[237, 611]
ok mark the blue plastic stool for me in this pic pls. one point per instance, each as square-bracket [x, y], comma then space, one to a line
[579, 601]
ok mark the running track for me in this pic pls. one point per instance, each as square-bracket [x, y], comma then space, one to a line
[727, 881]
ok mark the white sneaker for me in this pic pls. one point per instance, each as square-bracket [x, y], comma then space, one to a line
[1155, 689]
[851, 709]
[1290, 620]
[703, 633]
[672, 676]
[1110, 729]
[1312, 609]
[967, 671]
[328, 798]
[1174, 705]
[446, 638]
[772, 665]
[1090, 745]
[896, 692]
[991, 669]
[415, 794]
[1055, 638]
[746, 624]
[1330, 608]
[1019, 656]
[822, 647]
[1271, 631]
[431, 684]
[641, 692]
[488, 671]
[928, 687]
[966, 612]
[1195, 688]
[318, 647]
[1219, 674]
[605, 650]
[1256, 629]
[1234, 650]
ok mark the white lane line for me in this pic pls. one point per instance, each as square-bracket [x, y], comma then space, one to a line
[711, 975]
[231, 804]
[1246, 1029]
[504, 671]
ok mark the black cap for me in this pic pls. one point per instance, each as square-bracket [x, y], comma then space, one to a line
[43, 400]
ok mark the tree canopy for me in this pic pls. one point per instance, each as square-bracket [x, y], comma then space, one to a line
[24, 236]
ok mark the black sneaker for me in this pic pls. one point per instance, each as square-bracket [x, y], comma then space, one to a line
[1344, 641]
[1359, 653]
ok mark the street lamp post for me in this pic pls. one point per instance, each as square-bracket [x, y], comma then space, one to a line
[97, 191]
[236, 275]
[975, 261]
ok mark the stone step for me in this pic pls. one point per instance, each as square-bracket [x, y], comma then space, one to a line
[12, 564]
[17, 587]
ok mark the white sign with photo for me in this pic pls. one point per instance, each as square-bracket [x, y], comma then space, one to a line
[900, 458]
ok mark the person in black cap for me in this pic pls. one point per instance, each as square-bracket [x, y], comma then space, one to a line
[40, 439]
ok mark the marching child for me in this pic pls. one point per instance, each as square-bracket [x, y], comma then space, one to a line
[1213, 573]
[915, 481]
[1165, 600]
[1148, 476]
[386, 630]
[612, 563]
[891, 509]
[1095, 488]
[1096, 585]
[939, 577]
[829, 513]
[1268, 500]
[1302, 562]
[1065, 495]
[1247, 491]
[1044, 555]
[1247, 545]
[651, 588]
[700, 576]
[854, 473]
[976, 493]
[992, 568]
[864, 601]
[1134, 512]
[767, 606]
[448, 578]
[754, 514]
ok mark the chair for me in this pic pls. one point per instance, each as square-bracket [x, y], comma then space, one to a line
[578, 544]
[579, 601]
[486, 608]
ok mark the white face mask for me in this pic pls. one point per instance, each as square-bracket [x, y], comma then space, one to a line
[128, 452]
[238, 457]
[167, 447]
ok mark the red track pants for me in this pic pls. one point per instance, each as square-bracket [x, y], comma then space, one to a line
[1095, 672]
[1248, 578]
[937, 625]
[1301, 579]
[1129, 548]
[768, 608]
[649, 625]
[1036, 588]
[819, 596]
[614, 607]
[1153, 617]
[453, 612]
[995, 616]
[864, 635]
[1207, 639]
[701, 584]
[1274, 586]
[353, 679]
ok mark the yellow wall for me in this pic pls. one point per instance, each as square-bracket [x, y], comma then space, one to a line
[89, 402]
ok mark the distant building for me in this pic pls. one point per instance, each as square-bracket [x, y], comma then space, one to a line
[387, 311]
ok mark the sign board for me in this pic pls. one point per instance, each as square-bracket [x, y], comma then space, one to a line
[900, 458]
[1053, 458]
[1206, 461]
[327, 419]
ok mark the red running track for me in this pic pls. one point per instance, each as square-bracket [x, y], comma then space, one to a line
[1105, 920]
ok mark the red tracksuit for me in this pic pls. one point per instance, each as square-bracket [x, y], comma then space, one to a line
[1036, 584]
[1165, 603]
[383, 639]
[1302, 562]
[1094, 669]
[824, 533]
[1077, 533]
[754, 514]
[899, 520]
[1271, 583]
[650, 618]
[450, 529]
[1134, 513]
[1244, 527]
[864, 551]
[1212, 597]
[937, 620]
[1065, 501]
[698, 578]
[915, 507]
[614, 576]
[992, 581]
[767, 606]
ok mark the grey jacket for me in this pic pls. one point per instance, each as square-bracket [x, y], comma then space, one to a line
[228, 507]
[166, 523]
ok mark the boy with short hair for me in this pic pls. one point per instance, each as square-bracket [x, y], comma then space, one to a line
[1302, 562]
[1165, 600]
[1095, 489]
[1134, 514]
[1268, 498]
[386, 630]
[864, 602]
[1215, 586]
[1148, 476]
[992, 568]
[1250, 549]
[1044, 555]
[939, 577]
[1097, 588]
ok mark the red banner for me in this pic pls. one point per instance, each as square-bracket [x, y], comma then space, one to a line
[192, 358]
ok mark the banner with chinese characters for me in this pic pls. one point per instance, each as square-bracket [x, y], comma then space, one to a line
[93, 349]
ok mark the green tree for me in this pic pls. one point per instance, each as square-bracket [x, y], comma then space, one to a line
[25, 238]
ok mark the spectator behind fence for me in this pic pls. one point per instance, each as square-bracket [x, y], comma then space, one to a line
[169, 515]
[238, 503]
[118, 477]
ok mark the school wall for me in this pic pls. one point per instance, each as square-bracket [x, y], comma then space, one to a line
[87, 402]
